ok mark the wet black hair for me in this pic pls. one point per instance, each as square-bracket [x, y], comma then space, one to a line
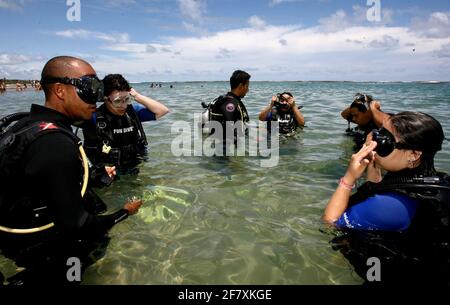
[288, 93]
[114, 82]
[239, 77]
[420, 132]
[361, 101]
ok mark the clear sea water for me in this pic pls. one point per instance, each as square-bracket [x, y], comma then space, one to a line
[214, 221]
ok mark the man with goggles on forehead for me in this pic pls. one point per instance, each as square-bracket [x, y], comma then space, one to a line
[282, 108]
[412, 200]
[47, 212]
[115, 135]
[367, 114]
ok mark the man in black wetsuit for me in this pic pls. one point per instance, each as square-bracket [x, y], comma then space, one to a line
[47, 182]
[229, 107]
[283, 109]
[367, 114]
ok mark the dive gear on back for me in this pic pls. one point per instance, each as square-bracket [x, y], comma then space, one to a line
[432, 193]
[213, 111]
[14, 141]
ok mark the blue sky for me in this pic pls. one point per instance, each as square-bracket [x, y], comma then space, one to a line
[178, 40]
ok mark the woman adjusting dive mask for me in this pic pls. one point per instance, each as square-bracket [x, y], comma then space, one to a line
[121, 99]
[386, 142]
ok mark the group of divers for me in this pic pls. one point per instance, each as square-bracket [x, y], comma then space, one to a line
[49, 211]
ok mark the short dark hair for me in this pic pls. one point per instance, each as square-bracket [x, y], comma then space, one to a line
[239, 77]
[420, 132]
[288, 93]
[360, 100]
[114, 82]
[359, 105]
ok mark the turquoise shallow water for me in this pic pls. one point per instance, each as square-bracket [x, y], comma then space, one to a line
[213, 221]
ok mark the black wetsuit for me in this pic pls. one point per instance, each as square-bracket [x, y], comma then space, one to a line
[123, 134]
[50, 174]
[286, 120]
[229, 108]
[422, 251]
[360, 134]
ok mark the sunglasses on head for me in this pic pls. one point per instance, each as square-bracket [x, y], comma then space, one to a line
[89, 88]
[359, 98]
[386, 142]
[121, 99]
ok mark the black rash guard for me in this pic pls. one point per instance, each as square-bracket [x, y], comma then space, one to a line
[52, 172]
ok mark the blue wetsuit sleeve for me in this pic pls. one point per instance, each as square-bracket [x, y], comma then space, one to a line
[269, 116]
[386, 212]
[143, 113]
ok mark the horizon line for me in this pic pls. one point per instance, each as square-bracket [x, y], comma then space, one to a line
[272, 81]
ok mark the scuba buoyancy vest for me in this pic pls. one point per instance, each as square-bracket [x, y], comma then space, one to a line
[103, 146]
[432, 193]
[286, 121]
[14, 141]
[423, 251]
[213, 111]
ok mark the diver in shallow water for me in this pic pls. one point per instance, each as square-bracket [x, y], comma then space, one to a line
[367, 114]
[283, 109]
[47, 211]
[115, 135]
[407, 211]
[229, 108]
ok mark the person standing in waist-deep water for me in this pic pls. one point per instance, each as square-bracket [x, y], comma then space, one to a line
[283, 109]
[47, 211]
[411, 202]
[367, 114]
[115, 135]
[230, 108]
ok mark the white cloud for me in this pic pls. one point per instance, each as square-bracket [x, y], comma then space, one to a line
[90, 35]
[387, 16]
[193, 9]
[193, 28]
[13, 59]
[436, 26]
[119, 3]
[387, 42]
[289, 52]
[276, 2]
[194, 13]
[12, 4]
[20, 66]
[340, 20]
[296, 53]
[336, 22]
[136, 48]
[256, 22]
[444, 52]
